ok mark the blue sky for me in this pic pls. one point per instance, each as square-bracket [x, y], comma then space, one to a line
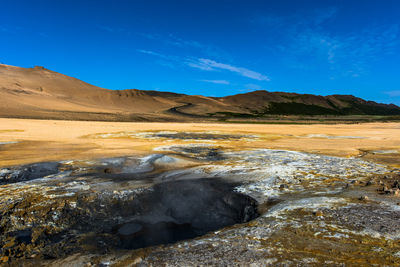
[213, 48]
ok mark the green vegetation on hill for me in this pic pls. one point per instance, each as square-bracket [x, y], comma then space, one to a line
[294, 108]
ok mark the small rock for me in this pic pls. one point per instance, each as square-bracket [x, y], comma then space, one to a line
[370, 183]
[107, 170]
[283, 186]
[385, 189]
[318, 213]
[137, 261]
[9, 243]
[396, 192]
[363, 198]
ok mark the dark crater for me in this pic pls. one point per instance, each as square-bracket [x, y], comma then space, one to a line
[186, 209]
[199, 152]
[103, 221]
[28, 172]
[198, 136]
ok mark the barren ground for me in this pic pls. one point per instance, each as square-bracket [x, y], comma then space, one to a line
[46, 140]
[76, 193]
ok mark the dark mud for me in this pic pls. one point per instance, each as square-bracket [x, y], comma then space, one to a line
[198, 136]
[204, 153]
[101, 222]
[186, 209]
[28, 172]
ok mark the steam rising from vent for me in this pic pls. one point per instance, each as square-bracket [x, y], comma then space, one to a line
[185, 209]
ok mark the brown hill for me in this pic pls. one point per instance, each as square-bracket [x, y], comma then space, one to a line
[41, 93]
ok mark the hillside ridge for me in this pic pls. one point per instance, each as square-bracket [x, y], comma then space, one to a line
[45, 94]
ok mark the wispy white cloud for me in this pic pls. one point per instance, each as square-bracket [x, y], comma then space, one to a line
[151, 53]
[252, 87]
[199, 65]
[246, 90]
[393, 93]
[211, 65]
[216, 81]
[163, 60]
[208, 65]
[350, 54]
[306, 40]
[163, 56]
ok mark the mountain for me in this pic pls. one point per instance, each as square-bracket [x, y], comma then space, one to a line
[44, 94]
[263, 102]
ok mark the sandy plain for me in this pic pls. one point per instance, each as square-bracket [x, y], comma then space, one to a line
[27, 141]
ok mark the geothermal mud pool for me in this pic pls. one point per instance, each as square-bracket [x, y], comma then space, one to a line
[198, 204]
